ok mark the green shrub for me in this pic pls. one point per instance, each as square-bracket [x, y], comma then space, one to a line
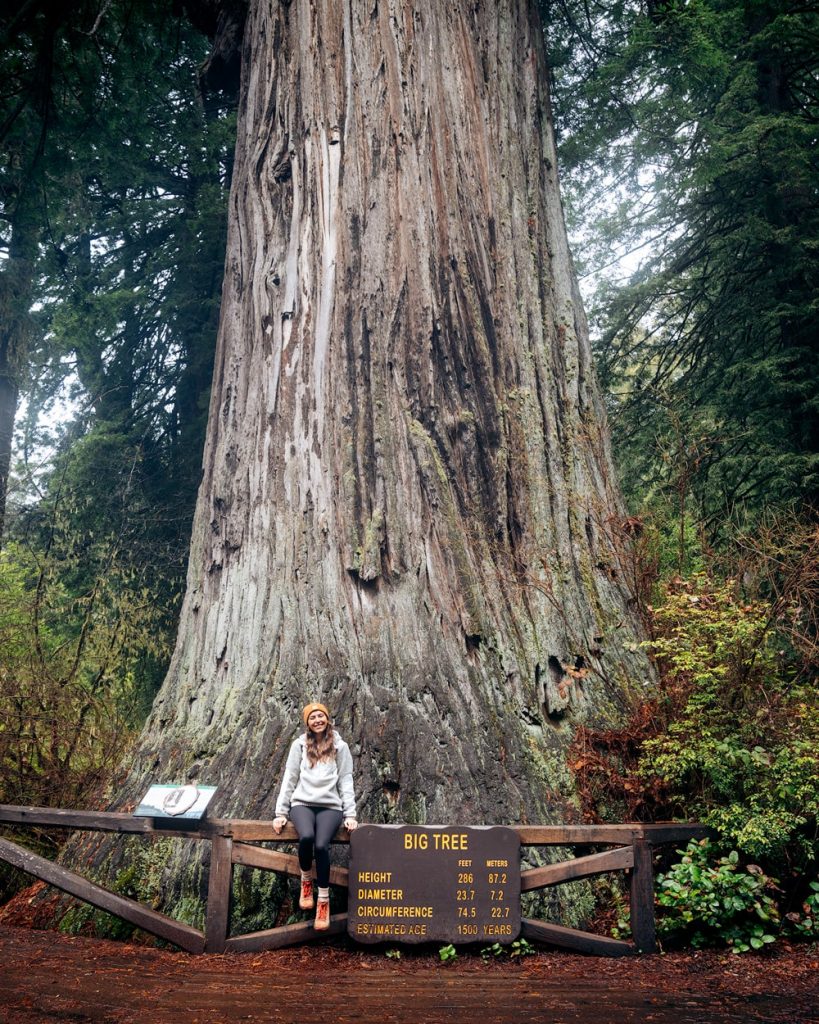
[705, 900]
[805, 925]
[72, 645]
[738, 740]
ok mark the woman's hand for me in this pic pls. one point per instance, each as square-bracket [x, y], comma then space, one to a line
[350, 824]
[278, 824]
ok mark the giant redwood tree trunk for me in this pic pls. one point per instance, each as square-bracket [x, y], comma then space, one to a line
[407, 490]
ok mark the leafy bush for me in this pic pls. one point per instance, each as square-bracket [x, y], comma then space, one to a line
[738, 745]
[732, 736]
[707, 900]
[806, 924]
[730, 739]
[72, 645]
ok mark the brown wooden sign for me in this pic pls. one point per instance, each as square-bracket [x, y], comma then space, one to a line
[429, 883]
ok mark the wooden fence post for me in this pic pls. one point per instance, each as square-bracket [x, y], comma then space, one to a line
[643, 928]
[217, 922]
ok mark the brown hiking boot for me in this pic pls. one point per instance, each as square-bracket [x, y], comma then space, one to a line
[306, 895]
[322, 922]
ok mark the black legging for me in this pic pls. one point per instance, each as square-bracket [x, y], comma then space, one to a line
[316, 826]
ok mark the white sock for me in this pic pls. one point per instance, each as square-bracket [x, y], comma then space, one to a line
[324, 894]
[306, 876]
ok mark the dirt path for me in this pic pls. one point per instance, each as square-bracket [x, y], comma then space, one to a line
[51, 977]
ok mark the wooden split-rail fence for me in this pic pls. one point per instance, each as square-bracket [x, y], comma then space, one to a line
[233, 841]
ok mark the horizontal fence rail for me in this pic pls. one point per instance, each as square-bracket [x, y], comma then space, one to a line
[232, 842]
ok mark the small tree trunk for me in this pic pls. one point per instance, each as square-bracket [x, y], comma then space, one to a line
[16, 282]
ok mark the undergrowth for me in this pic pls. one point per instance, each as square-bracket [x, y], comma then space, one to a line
[731, 739]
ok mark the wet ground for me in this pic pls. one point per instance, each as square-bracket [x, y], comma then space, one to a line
[45, 976]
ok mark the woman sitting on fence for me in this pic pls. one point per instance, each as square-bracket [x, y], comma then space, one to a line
[317, 792]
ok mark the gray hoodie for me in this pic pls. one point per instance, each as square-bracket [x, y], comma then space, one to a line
[327, 784]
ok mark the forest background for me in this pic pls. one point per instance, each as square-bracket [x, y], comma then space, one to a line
[687, 135]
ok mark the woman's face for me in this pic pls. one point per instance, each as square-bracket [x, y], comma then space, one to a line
[317, 721]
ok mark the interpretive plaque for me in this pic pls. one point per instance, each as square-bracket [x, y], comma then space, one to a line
[429, 883]
[186, 802]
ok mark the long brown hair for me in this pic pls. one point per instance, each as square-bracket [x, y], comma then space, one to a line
[320, 748]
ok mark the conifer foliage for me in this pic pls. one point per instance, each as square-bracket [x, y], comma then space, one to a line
[113, 186]
[689, 130]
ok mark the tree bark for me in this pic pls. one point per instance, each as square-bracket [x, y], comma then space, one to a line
[16, 284]
[407, 497]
